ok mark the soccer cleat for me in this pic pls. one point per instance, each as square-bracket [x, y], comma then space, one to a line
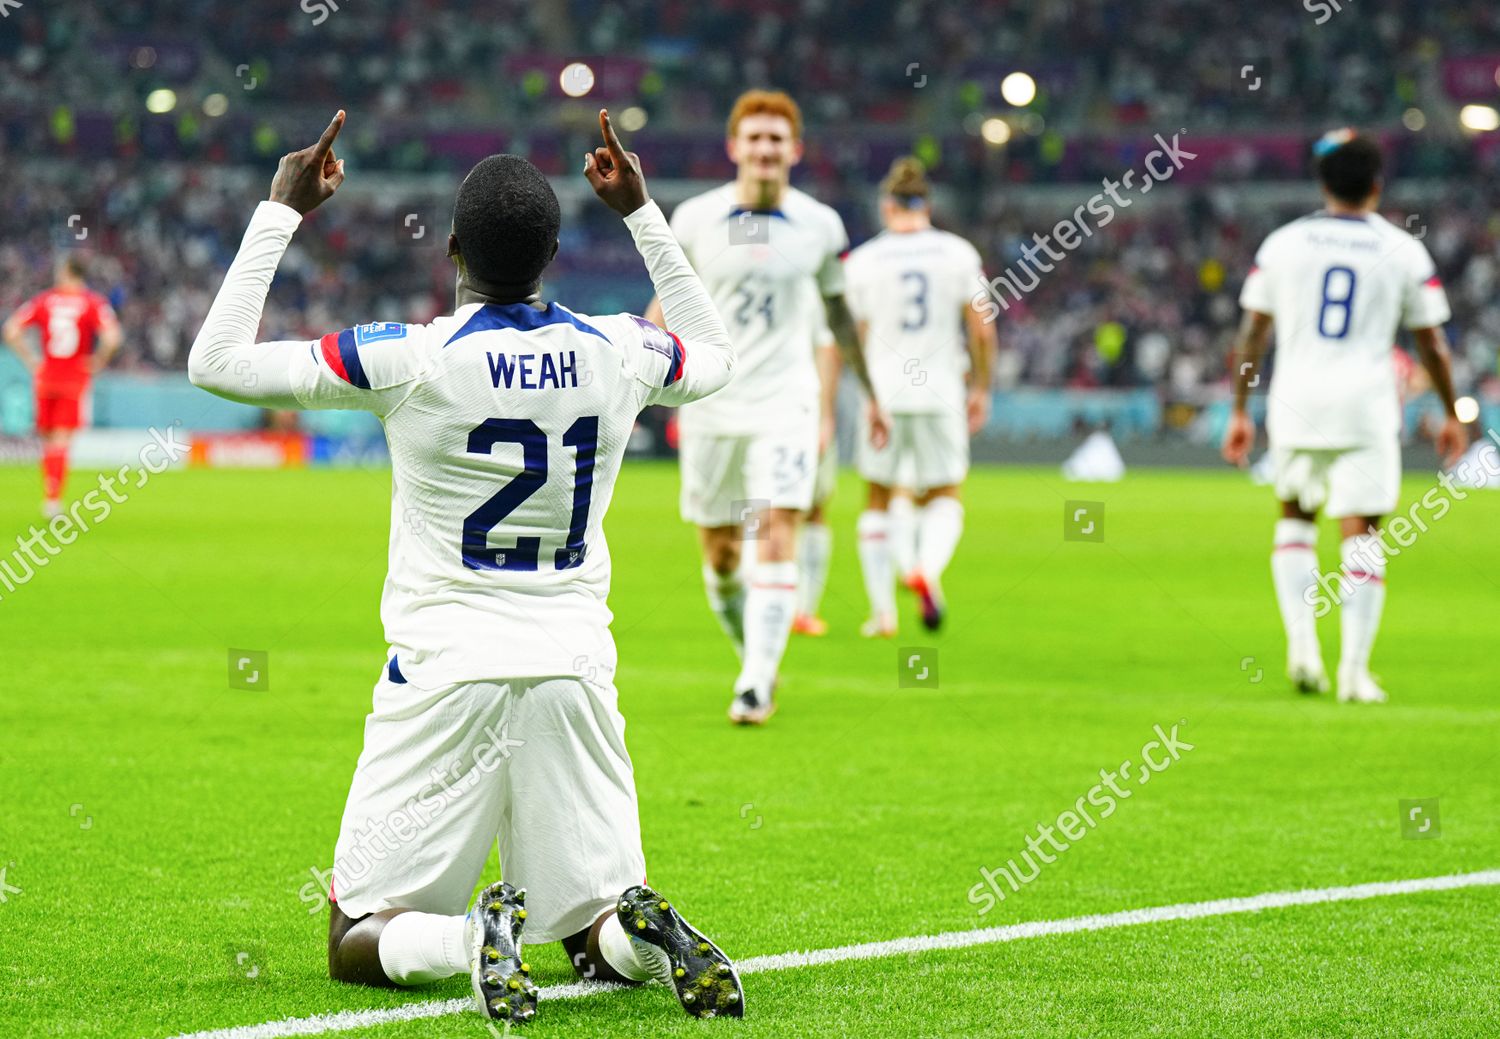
[879, 628]
[747, 708]
[706, 983]
[1308, 676]
[932, 602]
[806, 624]
[502, 980]
[1360, 689]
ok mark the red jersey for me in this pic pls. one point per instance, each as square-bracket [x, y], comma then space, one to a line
[70, 322]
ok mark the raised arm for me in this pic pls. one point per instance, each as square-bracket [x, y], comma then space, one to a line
[1432, 349]
[1249, 350]
[688, 311]
[225, 359]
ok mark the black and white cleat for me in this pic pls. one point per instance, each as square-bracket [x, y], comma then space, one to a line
[502, 980]
[706, 983]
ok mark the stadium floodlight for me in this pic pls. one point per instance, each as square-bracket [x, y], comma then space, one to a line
[577, 79]
[633, 119]
[1479, 118]
[161, 101]
[1414, 119]
[215, 105]
[1018, 89]
[1466, 409]
[995, 130]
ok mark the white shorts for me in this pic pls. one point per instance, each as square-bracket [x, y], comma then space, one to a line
[538, 764]
[1360, 481]
[827, 476]
[727, 478]
[925, 451]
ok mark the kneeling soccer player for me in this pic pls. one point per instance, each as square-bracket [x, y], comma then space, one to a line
[495, 717]
[1337, 284]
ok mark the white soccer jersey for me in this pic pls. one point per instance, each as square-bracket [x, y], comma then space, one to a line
[912, 291]
[507, 427]
[1338, 288]
[767, 274]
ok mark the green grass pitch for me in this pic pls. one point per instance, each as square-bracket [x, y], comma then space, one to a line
[159, 825]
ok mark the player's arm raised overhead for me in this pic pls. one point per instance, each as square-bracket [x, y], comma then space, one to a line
[367, 368]
[14, 324]
[697, 331]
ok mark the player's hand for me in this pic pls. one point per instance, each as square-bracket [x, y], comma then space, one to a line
[614, 173]
[880, 427]
[1239, 438]
[978, 409]
[1452, 441]
[306, 179]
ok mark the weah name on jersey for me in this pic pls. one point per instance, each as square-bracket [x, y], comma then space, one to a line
[522, 371]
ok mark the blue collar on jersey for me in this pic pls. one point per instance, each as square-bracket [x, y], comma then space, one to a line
[737, 210]
[523, 317]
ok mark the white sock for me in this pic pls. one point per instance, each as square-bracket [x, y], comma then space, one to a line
[1294, 567]
[1363, 559]
[941, 524]
[626, 956]
[903, 534]
[769, 605]
[726, 597]
[874, 531]
[813, 552]
[417, 948]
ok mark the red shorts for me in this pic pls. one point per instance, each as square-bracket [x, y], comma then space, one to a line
[57, 413]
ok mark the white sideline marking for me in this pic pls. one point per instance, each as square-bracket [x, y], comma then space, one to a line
[347, 1020]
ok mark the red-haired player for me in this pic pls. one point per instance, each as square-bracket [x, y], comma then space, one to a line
[79, 334]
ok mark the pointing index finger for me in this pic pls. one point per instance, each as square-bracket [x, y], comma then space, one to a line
[616, 151]
[325, 143]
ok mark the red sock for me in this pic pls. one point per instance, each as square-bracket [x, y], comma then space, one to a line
[54, 471]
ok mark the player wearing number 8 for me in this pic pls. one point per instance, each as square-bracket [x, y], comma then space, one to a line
[495, 716]
[1338, 285]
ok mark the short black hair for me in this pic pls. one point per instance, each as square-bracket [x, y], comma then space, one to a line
[76, 265]
[1350, 171]
[506, 218]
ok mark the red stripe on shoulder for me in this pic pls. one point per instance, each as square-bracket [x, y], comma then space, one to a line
[330, 347]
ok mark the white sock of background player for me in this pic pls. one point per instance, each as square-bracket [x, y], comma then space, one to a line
[813, 553]
[1364, 601]
[903, 535]
[1294, 565]
[940, 525]
[874, 532]
[416, 948]
[726, 597]
[770, 603]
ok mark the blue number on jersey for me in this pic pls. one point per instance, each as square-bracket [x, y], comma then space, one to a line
[918, 301]
[1342, 302]
[583, 436]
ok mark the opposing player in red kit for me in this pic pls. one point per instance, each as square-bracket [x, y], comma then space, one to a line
[79, 334]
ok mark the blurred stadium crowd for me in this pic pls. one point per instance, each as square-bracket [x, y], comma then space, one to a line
[433, 86]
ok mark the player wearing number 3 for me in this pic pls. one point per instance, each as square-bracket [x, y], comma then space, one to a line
[495, 716]
[771, 258]
[1337, 285]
